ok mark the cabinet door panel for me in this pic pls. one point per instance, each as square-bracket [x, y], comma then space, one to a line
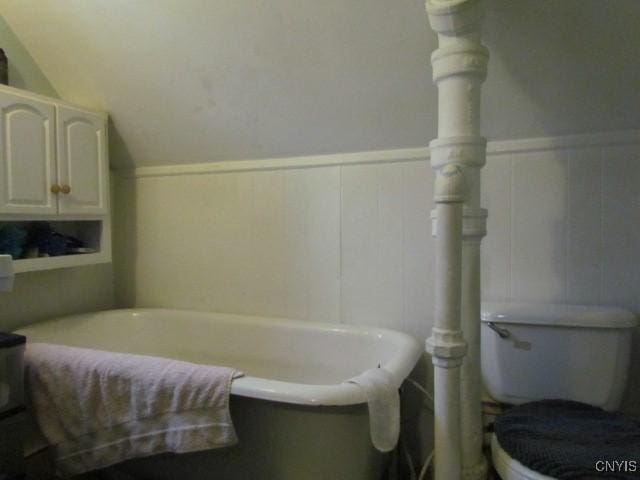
[82, 162]
[26, 156]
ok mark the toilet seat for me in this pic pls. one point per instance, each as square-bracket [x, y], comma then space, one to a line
[563, 438]
[509, 468]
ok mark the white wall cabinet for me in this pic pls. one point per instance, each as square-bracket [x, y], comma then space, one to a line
[47, 173]
[54, 167]
[27, 160]
[82, 162]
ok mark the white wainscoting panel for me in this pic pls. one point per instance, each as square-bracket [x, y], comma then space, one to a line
[621, 225]
[584, 225]
[263, 243]
[350, 241]
[538, 225]
[386, 245]
[564, 225]
[496, 246]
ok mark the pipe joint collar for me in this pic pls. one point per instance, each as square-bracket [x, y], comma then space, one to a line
[474, 223]
[454, 17]
[447, 363]
[450, 184]
[469, 151]
[469, 60]
[448, 346]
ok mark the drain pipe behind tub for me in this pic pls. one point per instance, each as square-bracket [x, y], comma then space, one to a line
[457, 155]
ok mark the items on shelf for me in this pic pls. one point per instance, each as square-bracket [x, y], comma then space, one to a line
[37, 239]
[12, 239]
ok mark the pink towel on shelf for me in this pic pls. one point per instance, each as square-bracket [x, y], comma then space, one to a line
[98, 408]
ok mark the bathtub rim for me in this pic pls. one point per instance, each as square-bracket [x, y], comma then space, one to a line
[407, 348]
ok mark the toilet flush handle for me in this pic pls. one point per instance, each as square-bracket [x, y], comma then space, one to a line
[502, 332]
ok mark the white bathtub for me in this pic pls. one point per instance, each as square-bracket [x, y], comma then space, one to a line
[295, 416]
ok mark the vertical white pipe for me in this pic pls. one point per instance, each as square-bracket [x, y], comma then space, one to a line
[446, 344]
[474, 464]
[448, 460]
[459, 68]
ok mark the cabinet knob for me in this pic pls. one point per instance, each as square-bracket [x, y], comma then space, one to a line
[66, 189]
[55, 188]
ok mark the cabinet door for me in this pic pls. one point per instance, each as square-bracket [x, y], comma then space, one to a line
[27, 149]
[82, 162]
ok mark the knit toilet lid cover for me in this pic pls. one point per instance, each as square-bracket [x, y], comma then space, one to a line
[571, 440]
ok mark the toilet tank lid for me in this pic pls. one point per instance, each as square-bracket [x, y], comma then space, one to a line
[586, 316]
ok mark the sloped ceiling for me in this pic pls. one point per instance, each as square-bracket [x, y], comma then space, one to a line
[190, 81]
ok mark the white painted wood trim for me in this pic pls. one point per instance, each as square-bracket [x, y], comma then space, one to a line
[600, 139]
[496, 147]
[311, 161]
[64, 261]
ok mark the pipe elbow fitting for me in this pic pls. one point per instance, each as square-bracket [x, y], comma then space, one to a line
[451, 184]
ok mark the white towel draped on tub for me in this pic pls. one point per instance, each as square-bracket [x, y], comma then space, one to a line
[384, 406]
[99, 408]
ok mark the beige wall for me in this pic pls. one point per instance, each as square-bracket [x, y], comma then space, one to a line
[41, 295]
[23, 71]
[193, 81]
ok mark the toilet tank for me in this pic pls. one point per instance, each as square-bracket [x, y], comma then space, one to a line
[536, 351]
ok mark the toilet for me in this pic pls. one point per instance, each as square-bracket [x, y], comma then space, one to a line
[533, 352]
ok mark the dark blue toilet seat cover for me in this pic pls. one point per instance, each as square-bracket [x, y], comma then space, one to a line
[571, 440]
